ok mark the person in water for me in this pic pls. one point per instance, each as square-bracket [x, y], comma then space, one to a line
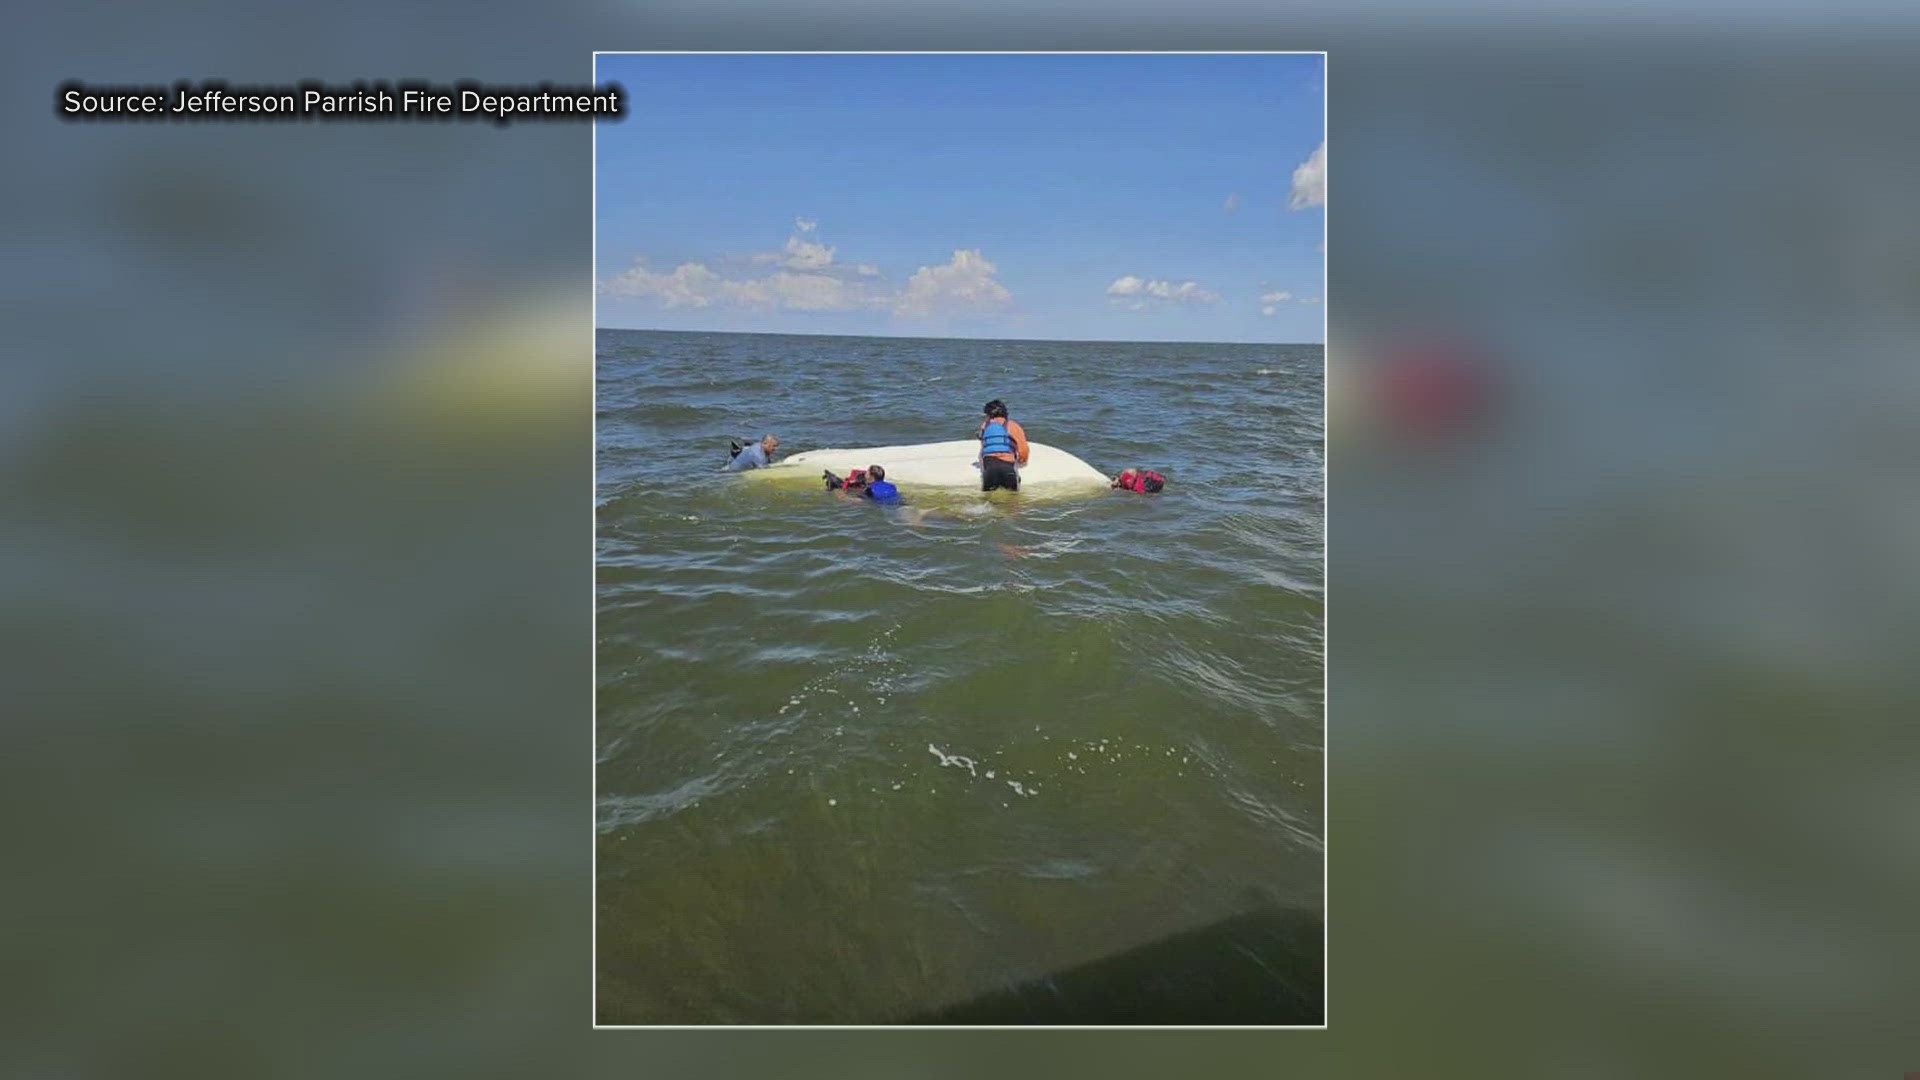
[1003, 448]
[1144, 481]
[870, 483]
[854, 483]
[754, 455]
[879, 488]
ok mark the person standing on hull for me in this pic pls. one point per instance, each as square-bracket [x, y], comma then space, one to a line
[1003, 448]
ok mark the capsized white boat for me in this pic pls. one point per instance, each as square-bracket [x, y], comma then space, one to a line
[943, 464]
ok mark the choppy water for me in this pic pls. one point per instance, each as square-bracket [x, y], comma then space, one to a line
[854, 764]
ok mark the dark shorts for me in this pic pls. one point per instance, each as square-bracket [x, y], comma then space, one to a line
[998, 473]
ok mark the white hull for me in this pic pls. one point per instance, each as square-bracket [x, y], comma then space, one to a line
[942, 464]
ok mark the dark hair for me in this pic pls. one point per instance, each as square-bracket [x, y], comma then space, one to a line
[996, 407]
[877, 472]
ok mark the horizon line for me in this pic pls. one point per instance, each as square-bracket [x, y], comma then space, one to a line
[940, 337]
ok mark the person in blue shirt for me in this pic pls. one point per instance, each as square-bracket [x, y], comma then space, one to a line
[879, 489]
[754, 455]
[868, 483]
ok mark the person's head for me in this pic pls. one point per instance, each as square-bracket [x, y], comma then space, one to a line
[769, 444]
[875, 472]
[995, 409]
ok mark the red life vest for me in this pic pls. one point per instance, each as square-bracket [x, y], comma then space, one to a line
[1144, 481]
[857, 480]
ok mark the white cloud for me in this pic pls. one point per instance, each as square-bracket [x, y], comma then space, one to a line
[800, 253]
[818, 292]
[808, 279]
[1232, 203]
[806, 255]
[1275, 297]
[1268, 310]
[965, 281]
[803, 276]
[1186, 292]
[690, 285]
[1310, 181]
[697, 285]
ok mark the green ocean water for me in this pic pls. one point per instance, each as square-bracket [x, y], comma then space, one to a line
[857, 765]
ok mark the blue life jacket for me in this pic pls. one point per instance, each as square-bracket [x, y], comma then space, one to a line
[996, 439]
[883, 491]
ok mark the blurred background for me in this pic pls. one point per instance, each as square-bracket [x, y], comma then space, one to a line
[296, 529]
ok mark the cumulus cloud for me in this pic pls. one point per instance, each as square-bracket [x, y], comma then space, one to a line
[1186, 292]
[965, 281]
[1275, 297]
[804, 277]
[689, 285]
[806, 255]
[1232, 203]
[1310, 181]
[800, 252]
[697, 285]
[817, 292]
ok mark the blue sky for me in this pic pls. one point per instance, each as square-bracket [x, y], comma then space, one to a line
[1142, 198]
